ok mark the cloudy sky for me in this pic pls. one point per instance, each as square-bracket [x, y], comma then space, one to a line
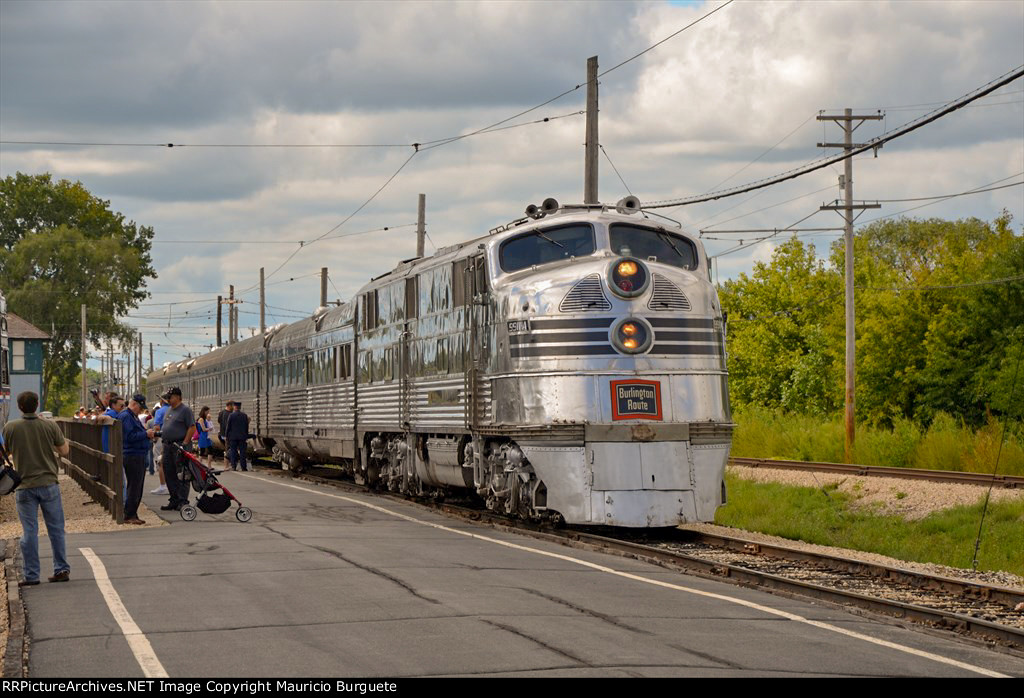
[695, 114]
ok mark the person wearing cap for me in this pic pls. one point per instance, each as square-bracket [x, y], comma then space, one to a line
[135, 441]
[236, 429]
[178, 426]
[158, 445]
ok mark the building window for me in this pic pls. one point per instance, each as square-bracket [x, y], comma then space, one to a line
[18, 355]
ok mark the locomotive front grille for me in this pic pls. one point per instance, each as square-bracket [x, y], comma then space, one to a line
[667, 296]
[585, 295]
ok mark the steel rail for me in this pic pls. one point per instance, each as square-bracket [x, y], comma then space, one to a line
[1007, 637]
[1005, 481]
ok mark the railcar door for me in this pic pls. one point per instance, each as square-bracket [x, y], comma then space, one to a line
[405, 371]
[475, 280]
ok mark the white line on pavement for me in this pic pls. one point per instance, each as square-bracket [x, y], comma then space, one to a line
[655, 582]
[143, 651]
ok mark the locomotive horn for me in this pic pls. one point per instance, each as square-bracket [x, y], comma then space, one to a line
[629, 204]
[549, 205]
[534, 212]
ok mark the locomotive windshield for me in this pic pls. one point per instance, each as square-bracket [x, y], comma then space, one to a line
[547, 245]
[645, 243]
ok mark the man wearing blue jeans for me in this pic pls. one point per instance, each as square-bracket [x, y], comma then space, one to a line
[33, 444]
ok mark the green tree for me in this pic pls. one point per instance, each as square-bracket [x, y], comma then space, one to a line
[782, 332]
[941, 344]
[60, 247]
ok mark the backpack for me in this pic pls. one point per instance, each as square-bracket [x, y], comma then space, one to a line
[9, 477]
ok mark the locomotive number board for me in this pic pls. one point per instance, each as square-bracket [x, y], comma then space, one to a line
[636, 399]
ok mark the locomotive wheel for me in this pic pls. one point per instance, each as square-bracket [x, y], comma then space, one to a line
[188, 512]
[243, 514]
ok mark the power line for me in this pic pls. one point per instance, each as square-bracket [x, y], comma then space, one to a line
[784, 139]
[874, 143]
[615, 168]
[276, 242]
[950, 196]
[347, 219]
[444, 141]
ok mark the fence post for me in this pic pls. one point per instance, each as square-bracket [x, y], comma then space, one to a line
[117, 474]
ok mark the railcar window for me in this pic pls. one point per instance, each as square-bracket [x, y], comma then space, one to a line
[547, 245]
[645, 243]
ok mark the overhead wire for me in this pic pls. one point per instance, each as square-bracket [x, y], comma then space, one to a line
[872, 144]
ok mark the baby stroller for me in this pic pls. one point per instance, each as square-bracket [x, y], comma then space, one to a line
[204, 481]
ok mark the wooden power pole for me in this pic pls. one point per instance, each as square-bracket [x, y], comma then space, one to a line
[263, 304]
[846, 122]
[593, 141]
[421, 224]
[85, 378]
[323, 287]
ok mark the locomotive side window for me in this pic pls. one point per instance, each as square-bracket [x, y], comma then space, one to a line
[645, 243]
[547, 245]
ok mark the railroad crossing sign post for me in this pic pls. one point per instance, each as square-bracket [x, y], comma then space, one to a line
[846, 122]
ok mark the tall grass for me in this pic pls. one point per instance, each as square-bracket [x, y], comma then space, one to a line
[947, 444]
[944, 537]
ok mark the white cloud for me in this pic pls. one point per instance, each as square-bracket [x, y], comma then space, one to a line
[676, 121]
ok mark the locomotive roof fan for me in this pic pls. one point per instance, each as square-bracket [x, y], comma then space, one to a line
[628, 205]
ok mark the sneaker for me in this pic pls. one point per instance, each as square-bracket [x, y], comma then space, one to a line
[162, 489]
[61, 576]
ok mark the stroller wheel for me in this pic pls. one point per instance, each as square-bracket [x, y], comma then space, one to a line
[244, 514]
[188, 512]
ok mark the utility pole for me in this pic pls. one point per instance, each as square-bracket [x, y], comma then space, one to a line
[846, 122]
[590, 159]
[85, 380]
[110, 364]
[323, 287]
[263, 304]
[139, 363]
[150, 357]
[220, 321]
[231, 314]
[421, 224]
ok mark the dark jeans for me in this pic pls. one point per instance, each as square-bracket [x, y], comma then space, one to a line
[236, 453]
[135, 471]
[177, 489]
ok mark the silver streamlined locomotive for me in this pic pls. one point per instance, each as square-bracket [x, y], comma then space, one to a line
[568, 365]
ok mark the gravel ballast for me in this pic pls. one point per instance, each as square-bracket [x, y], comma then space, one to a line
[881, 496]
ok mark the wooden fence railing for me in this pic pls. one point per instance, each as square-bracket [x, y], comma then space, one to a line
[100, 474]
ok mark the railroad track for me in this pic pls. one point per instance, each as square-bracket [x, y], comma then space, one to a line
[974, 610]
[1006, 481]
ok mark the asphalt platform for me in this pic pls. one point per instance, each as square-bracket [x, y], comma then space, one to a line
[326, 583]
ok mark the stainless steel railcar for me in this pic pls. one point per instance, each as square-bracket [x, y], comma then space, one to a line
[570, 364]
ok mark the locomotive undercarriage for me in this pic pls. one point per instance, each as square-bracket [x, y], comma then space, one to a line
[419, 465]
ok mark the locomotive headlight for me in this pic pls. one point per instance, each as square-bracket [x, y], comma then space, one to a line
[627, 268]
[628, 277]
[632, 336]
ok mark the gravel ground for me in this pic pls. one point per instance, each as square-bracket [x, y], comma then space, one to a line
[880, 494]
[81, 514]
[911, 499]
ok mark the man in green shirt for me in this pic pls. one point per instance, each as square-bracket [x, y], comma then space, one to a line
[33, 444]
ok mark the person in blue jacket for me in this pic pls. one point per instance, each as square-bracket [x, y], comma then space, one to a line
[135, 440]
